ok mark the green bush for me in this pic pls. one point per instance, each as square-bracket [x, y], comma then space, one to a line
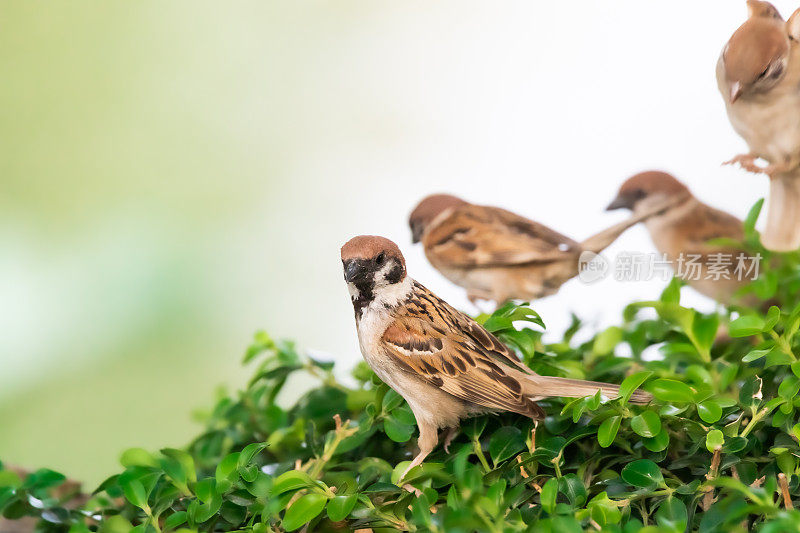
[716, 450]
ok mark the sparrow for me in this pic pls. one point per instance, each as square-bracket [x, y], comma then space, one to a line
[445, 365]
[682, 233]
[758, 75]
[498, 255]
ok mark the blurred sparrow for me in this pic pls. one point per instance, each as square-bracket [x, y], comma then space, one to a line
[682, 232]
[498, 255]
[445, 365]
[758, 74]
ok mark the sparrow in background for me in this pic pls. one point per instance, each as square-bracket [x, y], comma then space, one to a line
[682, 231]
[498, 255]
[445, 365]
[758, 74]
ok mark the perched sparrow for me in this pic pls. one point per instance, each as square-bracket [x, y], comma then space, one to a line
[498, 255]
[442, 362]
[758, 74]
[682, 232]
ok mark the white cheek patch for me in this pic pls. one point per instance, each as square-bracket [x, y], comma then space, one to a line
[354, 292]
[389, 295]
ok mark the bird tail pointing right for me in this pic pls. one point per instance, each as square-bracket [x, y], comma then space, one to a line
[550, 386]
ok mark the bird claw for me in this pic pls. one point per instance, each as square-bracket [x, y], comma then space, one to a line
[449, 439]
[747, 162]
[773, 169]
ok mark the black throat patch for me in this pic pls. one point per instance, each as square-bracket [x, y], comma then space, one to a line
[365, 297]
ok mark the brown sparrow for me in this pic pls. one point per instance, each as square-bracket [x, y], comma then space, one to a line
[758, 74]
[445, 365]
[682, 231]
[498, 255]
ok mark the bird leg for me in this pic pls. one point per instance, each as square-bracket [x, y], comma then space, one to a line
[449, 435]
[747, 162]
[428, 437]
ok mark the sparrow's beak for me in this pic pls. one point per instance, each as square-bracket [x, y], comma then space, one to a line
[736, 92]
[620, 202]
[354, 271]
[416, 232]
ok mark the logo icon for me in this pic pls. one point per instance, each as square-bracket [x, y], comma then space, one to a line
[592, 267]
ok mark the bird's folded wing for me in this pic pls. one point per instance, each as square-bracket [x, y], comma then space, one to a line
[480, 236]
[453, 364]
[708, 224]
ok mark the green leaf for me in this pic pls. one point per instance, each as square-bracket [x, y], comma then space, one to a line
[670, 390]
[549, 495]
[607, 340]
[658, 443]
[642, 473]
[396, 430]
[135, 493]
[672, 292]
[303, 511]
[631, 383]
[250, 451]
[186, 463]
[754, 355]
[713, 439]
[672, 514]
[572, 486]
[607, 431]
[226, 473]
[116, 524]
[391, 400]
[137, 457]
[746, 325]
[205, 489]
[752, 217]
[474, 427]
[176, 519]
[646, 424]
[603, 510]
[705, 328]
[789, 387]
[709, 411]
[291, 480]
[340, 506]
[773, 316]
[505, 443]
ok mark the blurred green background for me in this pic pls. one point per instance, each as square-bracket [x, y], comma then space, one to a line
[142, 143]
[175, 175]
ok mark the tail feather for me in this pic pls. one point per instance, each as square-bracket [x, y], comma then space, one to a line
[603, 239]
[548, 386]
[782, 232]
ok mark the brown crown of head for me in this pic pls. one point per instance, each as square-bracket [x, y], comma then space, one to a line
[753, 54]
[427, 210]
[759, 8]
[646, 184]
[364, 255]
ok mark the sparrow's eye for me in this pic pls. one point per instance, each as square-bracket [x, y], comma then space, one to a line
[380, 258]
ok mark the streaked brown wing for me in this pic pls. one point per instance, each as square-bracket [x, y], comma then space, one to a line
[481, 236]
[471, 364]
[470, 335]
